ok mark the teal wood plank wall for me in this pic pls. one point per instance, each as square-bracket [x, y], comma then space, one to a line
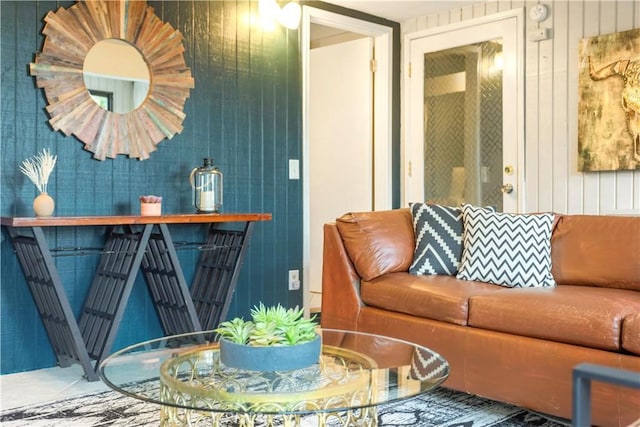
[245, 112]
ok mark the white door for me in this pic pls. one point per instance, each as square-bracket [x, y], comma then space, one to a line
[465, 114]
[340, 141]
[342, 172]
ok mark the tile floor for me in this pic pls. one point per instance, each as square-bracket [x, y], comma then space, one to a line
[43, 385]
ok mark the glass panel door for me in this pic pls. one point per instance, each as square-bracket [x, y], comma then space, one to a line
[465, 114]
[463, 125]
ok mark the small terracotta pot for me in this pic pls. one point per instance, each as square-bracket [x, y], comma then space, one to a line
[150, 209]
[43, 205]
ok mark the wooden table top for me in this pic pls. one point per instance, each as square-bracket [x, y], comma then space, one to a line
[190, 218]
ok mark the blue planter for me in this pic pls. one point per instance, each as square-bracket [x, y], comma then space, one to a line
[275, 358]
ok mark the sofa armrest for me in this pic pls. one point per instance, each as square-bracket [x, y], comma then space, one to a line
[341, 302]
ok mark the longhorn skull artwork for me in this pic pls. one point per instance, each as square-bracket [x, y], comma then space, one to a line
[609, 102]
[629, 71]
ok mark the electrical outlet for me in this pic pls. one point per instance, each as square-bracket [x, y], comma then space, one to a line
[294, 280]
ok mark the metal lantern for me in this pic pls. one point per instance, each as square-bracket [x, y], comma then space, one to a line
[206, 182]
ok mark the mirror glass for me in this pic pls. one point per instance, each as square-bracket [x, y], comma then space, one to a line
[116, 75]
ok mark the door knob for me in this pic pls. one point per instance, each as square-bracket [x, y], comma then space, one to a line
[507, 188]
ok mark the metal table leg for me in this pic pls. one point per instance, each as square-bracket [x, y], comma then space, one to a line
[167, 285]
[51, 300]
[217, 273]
[110, 290]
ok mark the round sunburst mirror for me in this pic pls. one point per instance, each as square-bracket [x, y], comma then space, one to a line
[80, 105]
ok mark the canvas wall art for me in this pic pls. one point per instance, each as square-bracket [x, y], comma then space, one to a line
[609, 102]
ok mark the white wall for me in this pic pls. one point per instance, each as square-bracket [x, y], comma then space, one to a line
[553, 182]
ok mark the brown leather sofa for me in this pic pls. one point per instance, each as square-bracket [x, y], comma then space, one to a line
[515, 345]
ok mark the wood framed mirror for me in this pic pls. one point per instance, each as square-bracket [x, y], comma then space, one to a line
[61, 70]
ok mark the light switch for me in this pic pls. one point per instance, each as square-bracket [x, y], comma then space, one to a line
[294, 169]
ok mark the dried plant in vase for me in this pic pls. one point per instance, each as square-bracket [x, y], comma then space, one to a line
[38, 169]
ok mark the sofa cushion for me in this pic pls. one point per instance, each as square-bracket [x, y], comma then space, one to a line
[442, 298]
[438, 232]
[594, 250]
[512, 250]
[378, 242]
[580, 315]
[631, 333]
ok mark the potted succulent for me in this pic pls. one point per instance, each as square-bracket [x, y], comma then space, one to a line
[275, 339]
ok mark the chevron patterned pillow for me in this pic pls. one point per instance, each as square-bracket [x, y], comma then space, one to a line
[438, 231]
[512, 250]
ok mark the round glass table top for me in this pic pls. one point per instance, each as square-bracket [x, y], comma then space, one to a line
[354, 370]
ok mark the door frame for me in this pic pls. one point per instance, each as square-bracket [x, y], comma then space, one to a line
[517, 14]
[383, 119]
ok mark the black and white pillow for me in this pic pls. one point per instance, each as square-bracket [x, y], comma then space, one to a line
[512, 250]
[438, 231]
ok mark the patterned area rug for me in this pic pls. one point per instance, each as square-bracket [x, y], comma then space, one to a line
[442, 407]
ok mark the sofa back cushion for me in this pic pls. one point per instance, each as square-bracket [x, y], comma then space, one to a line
[378, 242]
[594, 250]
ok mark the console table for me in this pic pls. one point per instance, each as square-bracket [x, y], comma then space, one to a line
[133, 243]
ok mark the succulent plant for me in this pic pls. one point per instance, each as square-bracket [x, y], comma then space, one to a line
[270, 326]
[237, 330]
[151, 199]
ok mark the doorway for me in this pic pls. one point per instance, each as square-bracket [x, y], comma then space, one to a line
[465, 114]
[347, 158]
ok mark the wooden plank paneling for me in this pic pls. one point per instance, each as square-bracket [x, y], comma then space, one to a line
[546, 117]
[624, 18]
[293, 151]
[467, 12]
[560, 160]
[244, 112]
[532, 119]
[592, 196]
[11, 272]
[575, 185]
[608, 181]
[479, 10]
[553, 181]
[200, 109]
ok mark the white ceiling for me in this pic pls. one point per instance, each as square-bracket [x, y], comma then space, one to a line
[401, 10]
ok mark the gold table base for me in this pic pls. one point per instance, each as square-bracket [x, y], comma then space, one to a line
[342, 379]
[170, 416]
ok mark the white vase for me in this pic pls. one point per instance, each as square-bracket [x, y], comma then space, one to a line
[43, 205]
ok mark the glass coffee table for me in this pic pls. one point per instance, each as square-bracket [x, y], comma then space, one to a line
[355, 373]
